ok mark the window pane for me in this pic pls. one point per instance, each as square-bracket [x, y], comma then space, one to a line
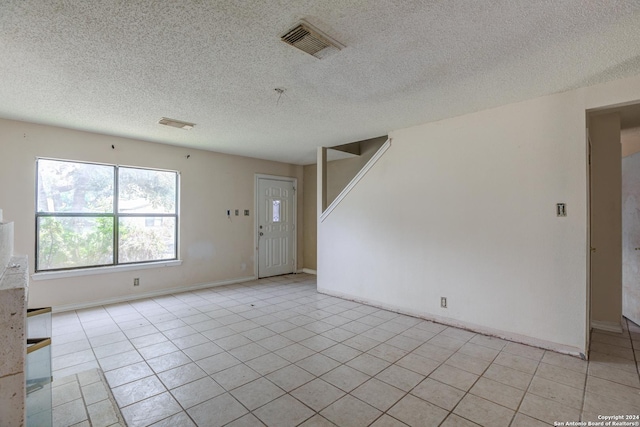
[74, 187]
[144, 191]
[276, 211]
[69, 242]
[147, 239]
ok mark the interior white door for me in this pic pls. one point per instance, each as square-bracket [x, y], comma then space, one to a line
[631, 237]
[276, 227]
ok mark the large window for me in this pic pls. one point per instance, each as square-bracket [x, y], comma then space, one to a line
[91, 215]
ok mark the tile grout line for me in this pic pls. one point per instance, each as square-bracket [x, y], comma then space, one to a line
[235, 301]
[319, 377]
[468, 391]
[229, 391]
[533, 376]
[633, 348]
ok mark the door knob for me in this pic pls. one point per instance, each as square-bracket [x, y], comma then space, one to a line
[261, 233]
[593, 249]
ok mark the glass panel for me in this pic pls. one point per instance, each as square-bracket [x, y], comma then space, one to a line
[144, 191]
[69, 242]
[38, 373]
[276, 211]
[147, 239]
[74, 187]
[39, 322]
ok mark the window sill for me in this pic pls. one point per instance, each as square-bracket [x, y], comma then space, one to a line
[50, 275]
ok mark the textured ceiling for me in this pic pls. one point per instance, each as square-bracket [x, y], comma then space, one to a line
[117, 67]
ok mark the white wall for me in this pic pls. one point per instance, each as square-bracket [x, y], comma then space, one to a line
[339, 174]
[310, 217]
[465, 208]
[212, 247]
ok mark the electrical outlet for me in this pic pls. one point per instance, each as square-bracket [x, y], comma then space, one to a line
[237, 212]
[443, 302]
[136, 281]
[246, 212]
[228, 212]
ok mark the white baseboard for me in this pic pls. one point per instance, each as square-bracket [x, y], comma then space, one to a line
[310, 271]
[523, 339]
[607, 326]
[160, 292]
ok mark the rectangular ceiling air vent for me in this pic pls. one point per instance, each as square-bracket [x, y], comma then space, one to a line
[176, 123]
[309, 39]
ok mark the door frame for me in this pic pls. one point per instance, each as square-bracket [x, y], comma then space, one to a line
[588, 113]
[588, 248]
[256, 244]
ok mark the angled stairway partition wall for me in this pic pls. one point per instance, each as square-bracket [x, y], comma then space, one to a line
[464, 208]
[343, 167]
[355, 180]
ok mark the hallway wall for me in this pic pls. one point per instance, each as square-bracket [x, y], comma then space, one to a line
[465, 208]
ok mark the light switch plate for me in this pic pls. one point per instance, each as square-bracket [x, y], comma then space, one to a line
[561, 209]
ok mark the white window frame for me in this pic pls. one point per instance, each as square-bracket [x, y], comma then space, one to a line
[115, 266]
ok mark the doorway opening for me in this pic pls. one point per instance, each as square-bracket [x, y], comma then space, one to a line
[613, 141]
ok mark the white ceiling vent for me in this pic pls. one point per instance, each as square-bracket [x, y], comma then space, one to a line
[176, 123]
[309, 39]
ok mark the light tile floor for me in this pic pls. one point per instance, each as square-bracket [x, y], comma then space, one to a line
[84, 399]
[275, 352]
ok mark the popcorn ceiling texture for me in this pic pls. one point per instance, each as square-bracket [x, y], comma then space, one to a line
[117, 67]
